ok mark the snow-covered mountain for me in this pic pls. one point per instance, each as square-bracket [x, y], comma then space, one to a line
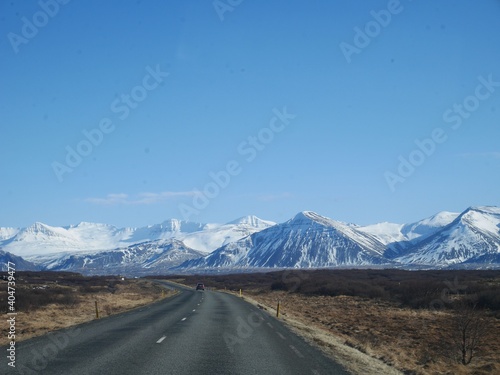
[470, 240]
[308, 240]
[253, 222]
[215, 236]
[147, 258]
[422, 229]
[474, 236]
[6, 233]
[42, 239]
[400, 238]
[388, 233]
[17, 263]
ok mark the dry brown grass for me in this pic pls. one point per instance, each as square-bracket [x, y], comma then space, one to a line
[126, 295]
[409, 340]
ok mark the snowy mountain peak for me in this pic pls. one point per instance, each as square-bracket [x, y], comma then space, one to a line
[252, 221]
[310, 217]
[41, 229]
[427, 227]
[175, 225]
[171, 225]
[485, 219]
[37, 227]
[441, 218]
[490, 210]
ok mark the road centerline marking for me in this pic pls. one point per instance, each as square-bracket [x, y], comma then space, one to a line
[161, 339]
[183, 319]
[299, 354]
[280, 335]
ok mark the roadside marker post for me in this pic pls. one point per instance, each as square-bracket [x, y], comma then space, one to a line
[240, 292]
[96, 311]
[278, 310]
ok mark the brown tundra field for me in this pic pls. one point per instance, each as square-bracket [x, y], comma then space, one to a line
[384, 321]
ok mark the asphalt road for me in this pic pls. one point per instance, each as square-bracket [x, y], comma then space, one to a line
[193, 332]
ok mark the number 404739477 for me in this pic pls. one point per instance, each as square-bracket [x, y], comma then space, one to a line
[11, 286]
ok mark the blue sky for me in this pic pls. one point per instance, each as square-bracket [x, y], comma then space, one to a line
[208, 111]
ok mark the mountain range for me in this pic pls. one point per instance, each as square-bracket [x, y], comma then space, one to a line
[41, 239]
[470, 239]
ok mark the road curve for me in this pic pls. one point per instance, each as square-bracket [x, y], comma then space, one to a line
[193, 332]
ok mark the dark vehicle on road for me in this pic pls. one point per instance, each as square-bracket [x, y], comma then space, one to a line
[200, 286]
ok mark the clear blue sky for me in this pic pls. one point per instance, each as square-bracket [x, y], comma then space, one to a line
[92, 63]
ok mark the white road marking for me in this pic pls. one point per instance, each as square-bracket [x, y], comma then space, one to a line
[161, 339]
[194, 310]
[183, 319]
[299, 354]
[315, 372]
[280, 335]
[270, 325]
